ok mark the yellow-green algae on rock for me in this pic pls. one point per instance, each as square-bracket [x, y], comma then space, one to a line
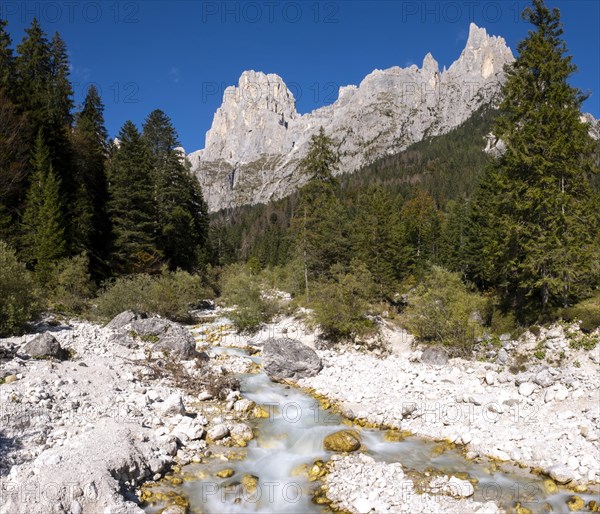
[342, 441]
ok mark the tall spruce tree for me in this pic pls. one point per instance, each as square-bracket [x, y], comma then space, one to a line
[181, 210]
[534, 233]
[43, 235]
[377, 239]
[7, 61]
[320, 222]
[421, 224]
[132, 206]
[33, 66]
[14, 160]
[90, 231]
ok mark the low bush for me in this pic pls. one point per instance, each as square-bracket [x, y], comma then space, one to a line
[71, 286]
[341, 304]
[586, 312]
[245, 292]
[171, 294]
[19, 297]
[442, 309]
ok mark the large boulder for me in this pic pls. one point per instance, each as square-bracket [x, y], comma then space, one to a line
[120, 320]
[44, 346]
[435, 355]
[284, 358]
[164, 336]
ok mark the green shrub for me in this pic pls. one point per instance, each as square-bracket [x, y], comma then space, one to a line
[170, 294]
[586, 312]
[71, 286]
[19, 297]
[442, 309]
[341, 304]
[245, 292]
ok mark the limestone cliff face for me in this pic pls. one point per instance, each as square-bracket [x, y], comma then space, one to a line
[257, 136]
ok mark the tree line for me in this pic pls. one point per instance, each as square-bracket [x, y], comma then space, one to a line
[129, 206]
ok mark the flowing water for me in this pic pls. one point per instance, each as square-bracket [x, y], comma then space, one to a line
[293, 436]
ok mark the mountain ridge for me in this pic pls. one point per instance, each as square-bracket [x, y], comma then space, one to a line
[257, 136]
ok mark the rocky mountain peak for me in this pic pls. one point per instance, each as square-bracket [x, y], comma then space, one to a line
[257, 137]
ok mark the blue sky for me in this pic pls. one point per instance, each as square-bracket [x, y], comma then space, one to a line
[179, 55]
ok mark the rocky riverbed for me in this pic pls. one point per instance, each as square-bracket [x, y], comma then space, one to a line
[90, 413]
[546, 418]
[92, 416]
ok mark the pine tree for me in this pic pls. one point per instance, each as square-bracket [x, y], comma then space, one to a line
[454, 235]
[43, 236]
[535, 220]
[181, 210]
[90, 231]
[320, 228]
[132, 207]
[421, 225]
[376, 239]
[7, 62]
[33, 66]
[14, 160]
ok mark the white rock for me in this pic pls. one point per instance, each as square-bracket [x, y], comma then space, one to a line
[526, 389]
[362, 506]
[561, 474]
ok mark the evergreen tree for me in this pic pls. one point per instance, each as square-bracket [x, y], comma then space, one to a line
[61, 92]
[376, 239]
[421, 225]
[33, 66]
[181, 210]
[535, 219]
[90, 231]
[7, 61]
[454, 235]
[320, 226]
[14, 160]
[132, 207]
[43, 236]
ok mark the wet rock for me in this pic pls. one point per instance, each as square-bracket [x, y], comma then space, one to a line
[250, 483]
[44, 346]
[244, 406]
[241, 432]
[342, 441]
[285, 358]
[459, 488]
[575, 503]
[225, 473]
[435, 356]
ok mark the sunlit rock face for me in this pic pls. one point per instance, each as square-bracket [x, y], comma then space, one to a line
[257, 137]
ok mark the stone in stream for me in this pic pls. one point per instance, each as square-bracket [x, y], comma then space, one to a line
[342, 441]
[285, 358]
[44, 346]
[561, 474]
